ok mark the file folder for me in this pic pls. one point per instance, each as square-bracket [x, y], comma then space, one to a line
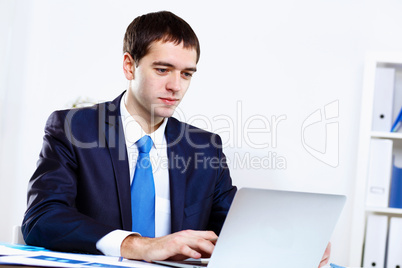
[375, 242]
[394, 258]
[398, 122]
[383, 99]
[379, 176]
[395, 196]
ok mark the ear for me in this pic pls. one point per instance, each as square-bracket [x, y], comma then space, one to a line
[128, 66]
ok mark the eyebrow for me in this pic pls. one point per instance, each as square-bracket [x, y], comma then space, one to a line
[162, 63]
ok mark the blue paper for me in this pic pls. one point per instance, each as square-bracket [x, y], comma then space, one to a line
[23, 247]
[57, 259]
[335, 266]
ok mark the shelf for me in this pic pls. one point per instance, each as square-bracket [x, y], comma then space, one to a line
[386, 135]
[395, 211]
[374, 80]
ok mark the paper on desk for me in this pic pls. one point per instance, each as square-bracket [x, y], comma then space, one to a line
[32, 256]
[15, 249]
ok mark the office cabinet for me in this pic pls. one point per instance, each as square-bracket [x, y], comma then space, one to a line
[379, 149]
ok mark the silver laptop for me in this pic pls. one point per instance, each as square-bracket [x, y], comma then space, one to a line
[274, 229]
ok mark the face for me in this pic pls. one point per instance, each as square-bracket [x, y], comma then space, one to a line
[160, 81]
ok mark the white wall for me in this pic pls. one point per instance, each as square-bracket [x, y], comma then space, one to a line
[259, 59]
[14, 19]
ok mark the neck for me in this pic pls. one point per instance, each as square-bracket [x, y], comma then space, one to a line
[150, 127]
[148, 123]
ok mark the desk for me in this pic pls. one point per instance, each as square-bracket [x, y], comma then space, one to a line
[12, 256]
[28, 256]
[15, 266]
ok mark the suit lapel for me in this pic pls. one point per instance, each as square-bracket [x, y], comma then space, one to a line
[176, 152]
[115, 143]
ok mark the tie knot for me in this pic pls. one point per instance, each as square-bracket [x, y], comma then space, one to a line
[144, 144]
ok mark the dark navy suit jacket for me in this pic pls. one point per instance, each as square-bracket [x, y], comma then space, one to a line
[80, 190]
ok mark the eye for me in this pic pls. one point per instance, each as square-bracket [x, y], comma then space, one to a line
[161, 70]
[187, 75]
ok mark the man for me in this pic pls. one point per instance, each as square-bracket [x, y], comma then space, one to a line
[80, 198]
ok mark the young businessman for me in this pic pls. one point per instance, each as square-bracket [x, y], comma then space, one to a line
[81, 196]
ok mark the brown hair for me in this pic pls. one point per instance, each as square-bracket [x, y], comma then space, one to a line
[159, 26]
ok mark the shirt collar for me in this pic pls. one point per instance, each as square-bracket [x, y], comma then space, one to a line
[133, 131]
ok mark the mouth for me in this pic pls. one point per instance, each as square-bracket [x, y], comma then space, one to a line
[169, 101]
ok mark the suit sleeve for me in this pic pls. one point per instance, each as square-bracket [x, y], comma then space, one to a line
[224, 191]
[52, 219]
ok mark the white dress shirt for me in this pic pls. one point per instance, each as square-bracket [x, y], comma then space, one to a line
[110, 243]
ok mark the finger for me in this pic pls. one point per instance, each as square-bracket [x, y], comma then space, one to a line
[189, 252]
[210, 235]
[323, 263]
[213, 241]
[205, 246]
[199, 243]
[187, 243]
[327, 252]
[325, 257]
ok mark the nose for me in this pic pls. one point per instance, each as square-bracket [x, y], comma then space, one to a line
[174, 82]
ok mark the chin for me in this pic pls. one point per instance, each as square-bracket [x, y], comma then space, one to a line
[166, 112]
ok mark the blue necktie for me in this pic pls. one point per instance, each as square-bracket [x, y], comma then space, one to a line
[143, 191]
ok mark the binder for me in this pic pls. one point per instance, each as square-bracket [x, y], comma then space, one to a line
[379, 176]
[376, 240]
[394, 258]
[398, 122]
[395, 195]
[383, 99]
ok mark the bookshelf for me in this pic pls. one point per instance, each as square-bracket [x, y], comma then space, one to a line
[387, 211]
[361, 211]
[386, 135]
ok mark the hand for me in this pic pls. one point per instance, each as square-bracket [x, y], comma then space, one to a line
[325, 258]
[177, 246]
